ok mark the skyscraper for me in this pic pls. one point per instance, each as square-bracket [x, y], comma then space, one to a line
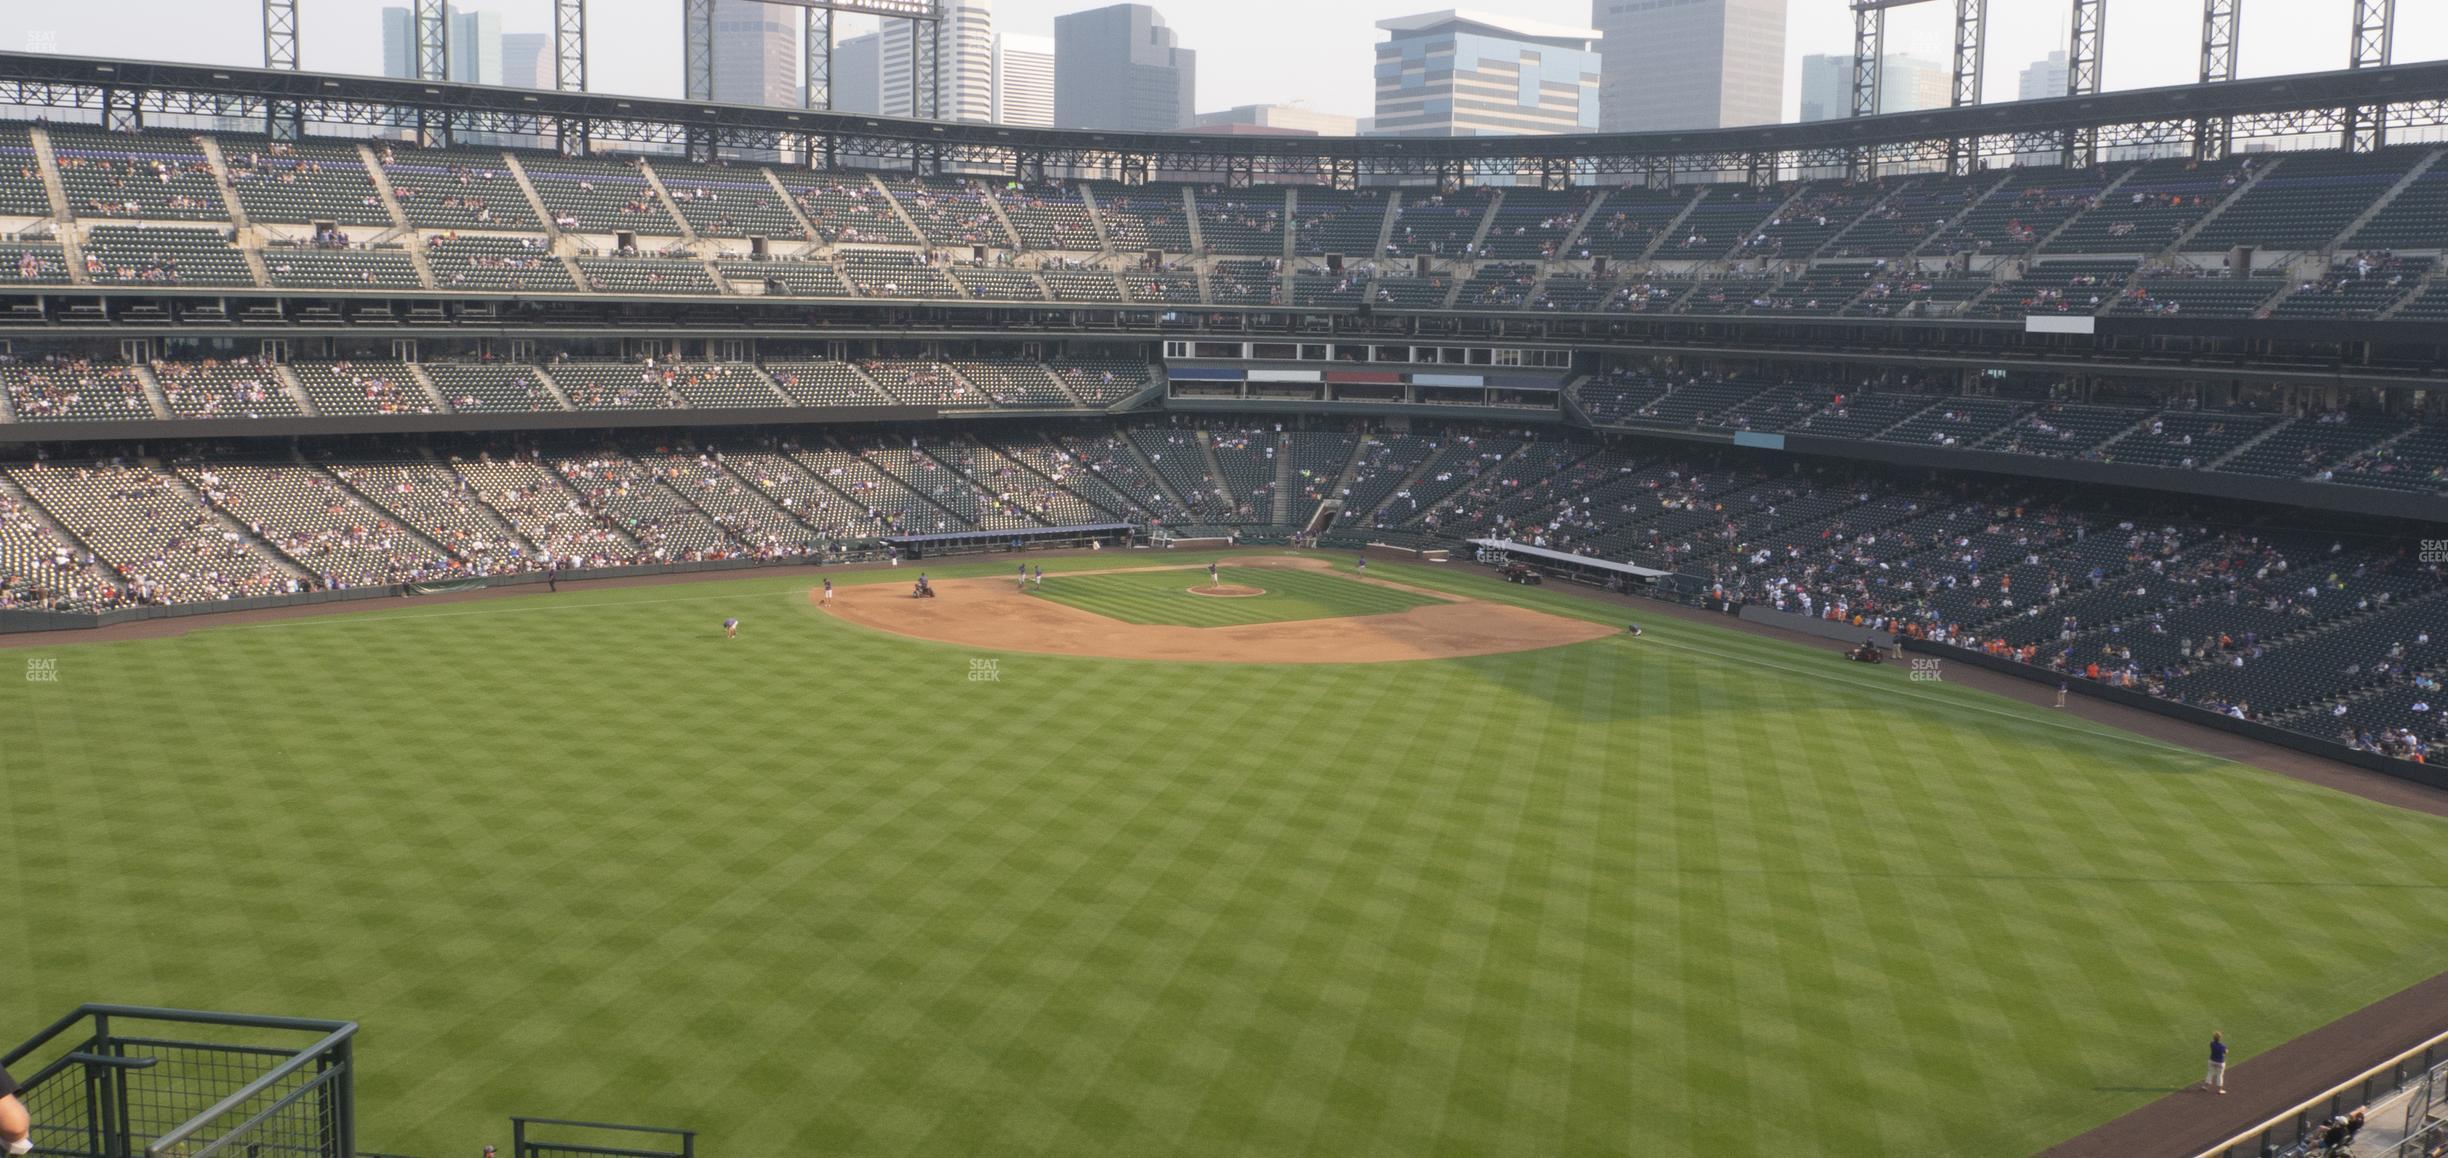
[2044, 78]
[756, 53]
[527, 60]
[1906, 83]
[1463, 73]
[1690, 64]
[964, 63]
[1120, 68]
[476, 47]
[398, 43]
[858, 75]
[1024, 80]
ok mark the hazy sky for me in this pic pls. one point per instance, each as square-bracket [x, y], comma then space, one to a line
[1250, 51]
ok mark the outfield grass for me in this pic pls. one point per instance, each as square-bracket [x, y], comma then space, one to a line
[1164, 596]
[813, 890]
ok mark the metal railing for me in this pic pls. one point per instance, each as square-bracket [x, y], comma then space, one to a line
[562, 1138]
[2301, 1123]
[119, 1081]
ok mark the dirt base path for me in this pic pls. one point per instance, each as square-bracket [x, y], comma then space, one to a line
[992, 614]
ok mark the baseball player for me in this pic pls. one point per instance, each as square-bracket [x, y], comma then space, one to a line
[1024, 576]
[828, 593]
[16, 1127]
[1211, 575]
[1037, 576]
[731, 629]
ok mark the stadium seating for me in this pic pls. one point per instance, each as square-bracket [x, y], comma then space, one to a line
[1241, 222]
[21, 185]
[634, 498]
[455, 188]
[1080, 285]
[950, 213]
[1534, 224]
[165, 255]
[784, 278]
[335, 388]
[1019, 384]
[497, 264]
[1910, 216]
[476, 387]
[317, 522]
[1630, 220]
[645, 275]
[213, 389]
[158, 538]
[1244, 283]
[301, 182]
[847, 209]
[2151, 209]
[73, 391]
[1102, 383]
[2023, 212]
[40, 570]
[1138, 219]
[591, 196]
[727, 200]
[887, 274]
[1440, 225]
[1334, 221]
[2307, 201]
[826, 384]
[1048, 217]
[314, 267]
[921, 382]
[154, 176]
[33, 263]
[988, 283]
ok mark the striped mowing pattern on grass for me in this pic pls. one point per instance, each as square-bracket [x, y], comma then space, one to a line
[1164, 596]
[814, 890]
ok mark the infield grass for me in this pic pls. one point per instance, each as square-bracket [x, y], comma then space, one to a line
[816, 890]
[1165, 597]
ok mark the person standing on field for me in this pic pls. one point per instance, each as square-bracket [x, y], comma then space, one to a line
[2217, 1080]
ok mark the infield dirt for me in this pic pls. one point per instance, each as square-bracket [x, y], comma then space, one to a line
[991, 614]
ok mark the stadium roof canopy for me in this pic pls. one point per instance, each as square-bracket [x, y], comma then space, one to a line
[123, 93]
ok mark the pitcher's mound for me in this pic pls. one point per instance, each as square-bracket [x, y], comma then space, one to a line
[981, 613]
[1228, 591]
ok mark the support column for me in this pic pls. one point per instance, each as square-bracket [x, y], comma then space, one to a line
[1971, 38]
[1869, 52]
[2083, 77]
[2213, 136]
[2374, 37]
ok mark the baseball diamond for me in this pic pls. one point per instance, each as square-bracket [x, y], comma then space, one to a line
[1526, 903]
[605, 614]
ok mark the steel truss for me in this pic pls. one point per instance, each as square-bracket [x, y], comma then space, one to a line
[2081, 147]
[2221, 20]
[280, 29]
[2374, 41]
[125, 95]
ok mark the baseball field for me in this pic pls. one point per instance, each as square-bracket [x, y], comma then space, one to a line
[837, 887]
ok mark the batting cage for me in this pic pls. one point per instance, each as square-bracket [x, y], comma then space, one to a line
[117, 1081]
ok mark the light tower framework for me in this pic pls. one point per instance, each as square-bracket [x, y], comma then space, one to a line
[1869, 66]
[2090, 26]
[2221, 22]
[2374, 42]
[284, 120]
[925, 17]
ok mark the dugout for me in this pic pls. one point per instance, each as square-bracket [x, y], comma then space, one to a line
[1572, 568]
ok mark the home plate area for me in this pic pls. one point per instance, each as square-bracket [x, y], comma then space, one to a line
[1259, 610]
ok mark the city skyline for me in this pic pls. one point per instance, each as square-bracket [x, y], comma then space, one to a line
[1247, 60]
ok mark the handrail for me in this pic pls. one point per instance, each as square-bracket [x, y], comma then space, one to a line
[311, 1053]
[2275, 1120]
